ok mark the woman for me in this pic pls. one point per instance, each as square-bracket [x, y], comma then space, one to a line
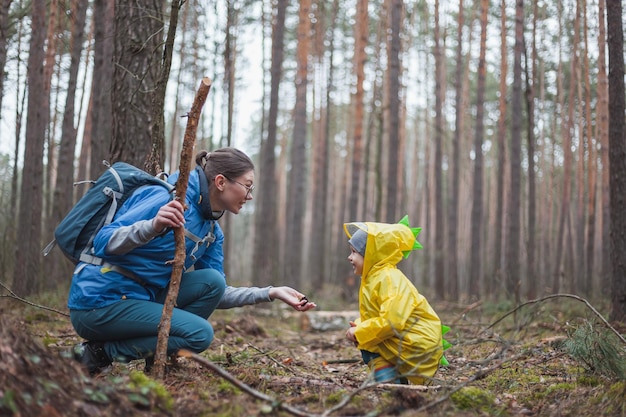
[117, 306]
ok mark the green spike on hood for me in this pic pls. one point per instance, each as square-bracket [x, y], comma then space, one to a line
[415, 231]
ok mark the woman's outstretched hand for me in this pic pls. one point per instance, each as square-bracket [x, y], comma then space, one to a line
[291, 297]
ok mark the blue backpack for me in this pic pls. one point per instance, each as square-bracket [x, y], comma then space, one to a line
[76, 232]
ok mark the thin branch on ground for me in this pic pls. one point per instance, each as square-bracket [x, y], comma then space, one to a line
[271, 358]
[275, 403]
[478, 375]
[30, 303]
[464, 312]
[572, 296]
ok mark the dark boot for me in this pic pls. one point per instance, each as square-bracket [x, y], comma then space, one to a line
[92, 356]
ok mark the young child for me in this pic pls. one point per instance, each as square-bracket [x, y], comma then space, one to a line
[398, 332]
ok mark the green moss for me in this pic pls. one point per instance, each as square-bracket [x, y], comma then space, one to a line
[226, 387]
[143, 387]
[613, 400]
[474, 398]
[335, 397]
[588, 380]
[512, 378]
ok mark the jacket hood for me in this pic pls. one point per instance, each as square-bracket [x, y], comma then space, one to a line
[386, 243]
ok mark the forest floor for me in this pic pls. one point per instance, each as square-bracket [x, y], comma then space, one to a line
[272, 361]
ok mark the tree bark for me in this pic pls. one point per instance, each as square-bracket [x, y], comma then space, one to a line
[64, 188]
[512, 241]
[266, 237]
[494, 280]
[321, 167]
[296, 194]
[602, 126]
[617, 158]
[5, 6]
[452, 258]
[155, 159]
[477, 202]
[101, 84]
[137, 65]
[27, 274]
[567, 133]
[531, 79]
[394, 50]
[440, 281]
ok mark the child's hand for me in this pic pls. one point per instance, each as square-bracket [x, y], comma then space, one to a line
[350, 334]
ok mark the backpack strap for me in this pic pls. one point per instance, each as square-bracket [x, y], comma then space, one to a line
[206, 240]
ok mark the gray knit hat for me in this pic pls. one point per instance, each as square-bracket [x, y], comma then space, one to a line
[358, 241]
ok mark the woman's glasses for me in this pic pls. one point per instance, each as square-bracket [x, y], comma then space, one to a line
[249, 188]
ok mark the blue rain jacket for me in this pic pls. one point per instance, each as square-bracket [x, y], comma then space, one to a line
[97, 286]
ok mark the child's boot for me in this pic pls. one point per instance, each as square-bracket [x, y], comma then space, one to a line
[383, 371]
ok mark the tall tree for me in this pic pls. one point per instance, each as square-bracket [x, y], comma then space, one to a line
[137, 59]
[63, 189]
[321, 159]
[452, 260]
[592, 167]
[617, 158]
[531, 77]
[477, 201]
[28, 271]
[154, 161]
[296, 195]
[266, 237]
[491, 287]
[101, 84]
[438, 184]
[567, 133]
[5, 7]
[361, 32]
[513, 218]
[358, 173]
[602, 129]
[393, 74]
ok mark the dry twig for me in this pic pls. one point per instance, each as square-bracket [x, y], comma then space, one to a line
[575, 297]
[30, 303]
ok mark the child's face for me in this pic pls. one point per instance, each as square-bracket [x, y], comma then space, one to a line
[356, 259]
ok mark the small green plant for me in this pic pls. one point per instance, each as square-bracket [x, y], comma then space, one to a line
[597, 350]
[473, 398]
[142, 386]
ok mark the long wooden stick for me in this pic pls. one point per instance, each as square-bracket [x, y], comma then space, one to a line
[186, 156]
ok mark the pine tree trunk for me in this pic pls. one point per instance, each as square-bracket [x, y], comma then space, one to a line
[297, 191]
[513, 219]
[617, 156]
[266, 237]
[27, 273]
[477, 202]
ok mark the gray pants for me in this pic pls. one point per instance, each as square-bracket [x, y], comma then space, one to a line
[129, 328]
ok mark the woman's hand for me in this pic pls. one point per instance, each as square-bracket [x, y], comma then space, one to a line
[291, 297]
[170, 215]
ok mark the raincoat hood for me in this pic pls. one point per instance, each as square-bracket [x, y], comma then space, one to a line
[386, 243]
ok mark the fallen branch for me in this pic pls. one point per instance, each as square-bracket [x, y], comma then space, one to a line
[478, 375]
[275, 403]
[575, 297]
[30, 303]
[271, 358]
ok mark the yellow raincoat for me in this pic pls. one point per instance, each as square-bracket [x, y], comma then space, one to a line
[396, 321]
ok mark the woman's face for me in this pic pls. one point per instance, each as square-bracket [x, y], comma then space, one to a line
[232, 193]
[356, 259]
